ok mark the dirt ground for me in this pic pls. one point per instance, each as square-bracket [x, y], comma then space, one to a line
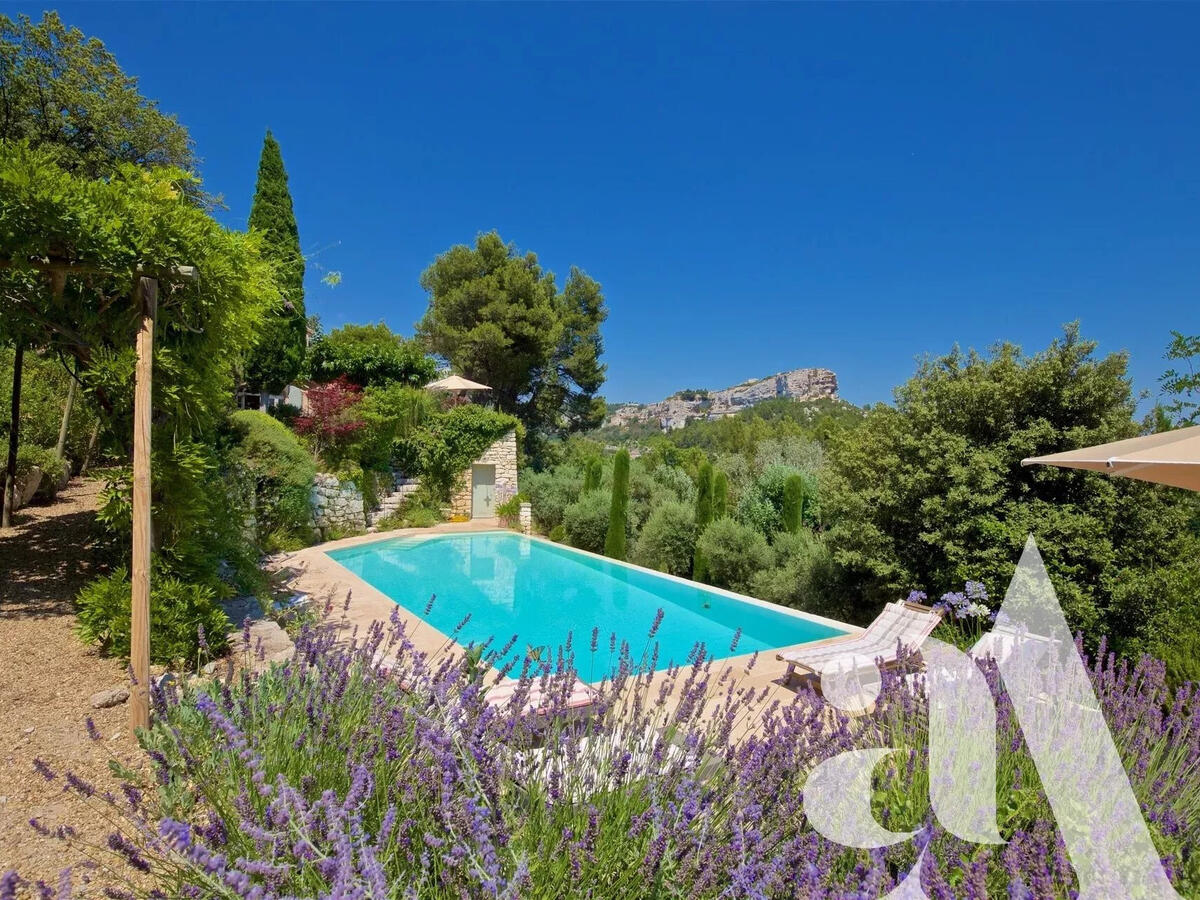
[47, 677]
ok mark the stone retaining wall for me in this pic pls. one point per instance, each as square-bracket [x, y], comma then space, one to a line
[336, 504]
[503, 455]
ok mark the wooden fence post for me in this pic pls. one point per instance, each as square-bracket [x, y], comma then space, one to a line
[145, 297]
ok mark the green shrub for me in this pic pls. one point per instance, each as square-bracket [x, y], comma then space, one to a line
[279, 468]
[177, 613]
[618, 515]
[199, 518]
[510, 510]
[756, 511]
[800, 576]
[284, 412]
[558, 534]
[761, 506]
[28, 456]
[586, 521]
[677, 481]
[733, 554]
[1161, 607]
[44, 390]
[392, 414]
[285, 541]
[550, 493]
[419, 510]
[668, 539]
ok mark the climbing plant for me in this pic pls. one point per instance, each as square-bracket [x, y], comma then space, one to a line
[455, 438]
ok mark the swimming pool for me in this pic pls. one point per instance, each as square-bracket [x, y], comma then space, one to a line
[510, 584]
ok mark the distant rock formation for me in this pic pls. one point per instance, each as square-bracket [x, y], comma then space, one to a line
[684, 406]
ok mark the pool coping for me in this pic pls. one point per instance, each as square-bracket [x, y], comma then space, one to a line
[323, 578]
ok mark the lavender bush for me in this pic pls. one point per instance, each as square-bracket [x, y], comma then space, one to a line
[362, 770]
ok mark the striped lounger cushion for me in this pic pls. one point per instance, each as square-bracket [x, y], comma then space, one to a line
[897, 624]
[581, 696]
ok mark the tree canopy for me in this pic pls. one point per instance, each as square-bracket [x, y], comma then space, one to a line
[369, 355]
[133, 220]
[1182, 380]
[279, 353]
[498, 318]
[63, 91]
[930, 493]
[146, 221]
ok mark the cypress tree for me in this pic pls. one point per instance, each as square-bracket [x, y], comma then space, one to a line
[720, 501]
[793, 503]
[279, 354]
[593, 472]
[614, 543]
[704, 516]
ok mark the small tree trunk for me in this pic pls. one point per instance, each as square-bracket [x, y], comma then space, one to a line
[87, 455]
[61, 447]
[14, 437]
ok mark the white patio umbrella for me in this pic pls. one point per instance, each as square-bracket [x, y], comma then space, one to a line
[1169, 457]
[456, 383]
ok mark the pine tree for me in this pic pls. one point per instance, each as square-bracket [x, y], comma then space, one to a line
[279, 354]
[704, 516]
[614, 543]
[720, 501]
[793, 503]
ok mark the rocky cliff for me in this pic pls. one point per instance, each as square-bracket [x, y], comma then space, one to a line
[678, 409]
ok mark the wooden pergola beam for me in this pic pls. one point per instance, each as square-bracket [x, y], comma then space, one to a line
[72, 267]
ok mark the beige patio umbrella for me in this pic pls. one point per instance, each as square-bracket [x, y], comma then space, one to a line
[1170, 457]
[456, 383]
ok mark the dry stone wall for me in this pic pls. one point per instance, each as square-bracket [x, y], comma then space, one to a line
[336, 504]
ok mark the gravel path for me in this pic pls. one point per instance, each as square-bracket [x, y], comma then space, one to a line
[46, 679]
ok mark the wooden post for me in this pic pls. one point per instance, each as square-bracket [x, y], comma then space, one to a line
[145, 296]
[87, 454]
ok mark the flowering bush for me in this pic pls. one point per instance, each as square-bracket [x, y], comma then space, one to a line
[368, 770]
[966, 614]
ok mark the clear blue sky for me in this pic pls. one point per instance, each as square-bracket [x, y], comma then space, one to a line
[757, 187]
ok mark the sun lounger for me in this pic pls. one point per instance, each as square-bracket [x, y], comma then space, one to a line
[901, 626]
[579, 700]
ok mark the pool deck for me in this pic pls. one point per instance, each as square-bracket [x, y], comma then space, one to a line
[316, 574]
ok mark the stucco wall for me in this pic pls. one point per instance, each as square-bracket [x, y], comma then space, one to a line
[503, 455]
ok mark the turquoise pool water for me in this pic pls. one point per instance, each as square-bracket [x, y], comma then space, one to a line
[541, 592]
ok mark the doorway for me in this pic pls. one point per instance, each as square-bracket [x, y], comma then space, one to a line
[483, 491]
